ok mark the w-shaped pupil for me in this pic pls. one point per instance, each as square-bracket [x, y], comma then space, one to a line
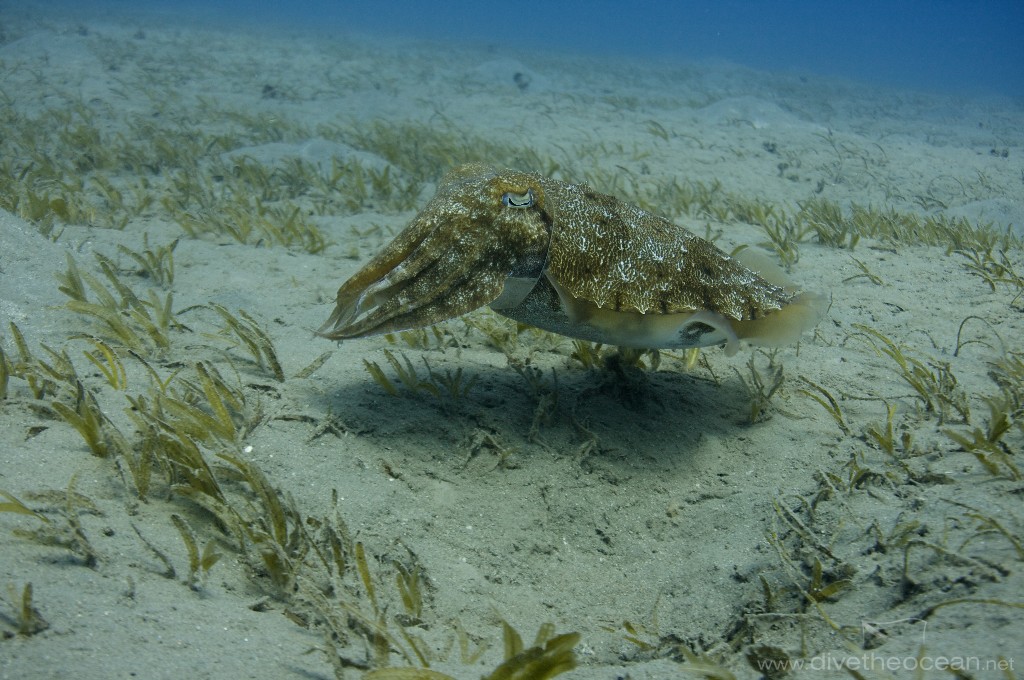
[518, 200]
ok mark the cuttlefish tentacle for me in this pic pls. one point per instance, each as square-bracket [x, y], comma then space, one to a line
[410, 287]
[448, 261]
[565, 258]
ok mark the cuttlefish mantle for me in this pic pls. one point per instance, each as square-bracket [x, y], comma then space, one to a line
[567, 259]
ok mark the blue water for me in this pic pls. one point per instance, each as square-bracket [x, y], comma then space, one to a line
[962, 46]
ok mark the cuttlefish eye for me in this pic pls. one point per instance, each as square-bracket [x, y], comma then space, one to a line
[511, 200]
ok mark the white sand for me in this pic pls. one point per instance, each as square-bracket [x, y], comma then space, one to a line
[656, 510]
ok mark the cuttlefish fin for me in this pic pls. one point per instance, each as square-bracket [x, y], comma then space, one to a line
[784, 326]
[699, 328]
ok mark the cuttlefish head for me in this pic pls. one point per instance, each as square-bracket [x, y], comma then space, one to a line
[484, 236]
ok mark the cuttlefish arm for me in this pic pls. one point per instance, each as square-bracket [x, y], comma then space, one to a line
[472, 244]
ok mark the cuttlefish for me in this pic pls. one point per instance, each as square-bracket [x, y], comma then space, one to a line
[567, 259]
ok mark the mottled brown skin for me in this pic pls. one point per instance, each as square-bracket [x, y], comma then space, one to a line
[623, 258]
[576, 262]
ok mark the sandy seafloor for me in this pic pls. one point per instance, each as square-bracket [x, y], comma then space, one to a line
[645, 512]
